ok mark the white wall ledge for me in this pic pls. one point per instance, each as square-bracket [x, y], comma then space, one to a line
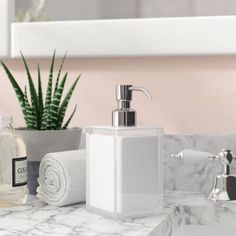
[7, 11]
[129, 37]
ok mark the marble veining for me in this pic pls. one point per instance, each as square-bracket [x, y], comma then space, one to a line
[199, 175]
[198, 210]
[37, 218]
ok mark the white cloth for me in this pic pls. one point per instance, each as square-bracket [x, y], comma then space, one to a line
[62, 178]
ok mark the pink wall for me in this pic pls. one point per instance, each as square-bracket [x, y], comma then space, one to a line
[190, 94]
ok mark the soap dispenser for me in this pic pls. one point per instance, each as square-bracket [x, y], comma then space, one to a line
[124, 163]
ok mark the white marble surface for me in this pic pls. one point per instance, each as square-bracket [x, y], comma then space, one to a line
[199, 211]
[37, 218]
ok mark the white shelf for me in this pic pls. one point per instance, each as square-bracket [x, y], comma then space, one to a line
[128, 37]
[7, 11]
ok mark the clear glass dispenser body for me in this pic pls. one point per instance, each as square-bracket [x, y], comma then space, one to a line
[124, 171]
[13, 166]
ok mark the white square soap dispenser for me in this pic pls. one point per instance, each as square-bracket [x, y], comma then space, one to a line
[124, 163]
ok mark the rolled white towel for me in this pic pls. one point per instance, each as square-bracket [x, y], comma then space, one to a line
[62, 178]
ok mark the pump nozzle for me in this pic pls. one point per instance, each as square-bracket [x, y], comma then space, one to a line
[124, 115]
[141, 89]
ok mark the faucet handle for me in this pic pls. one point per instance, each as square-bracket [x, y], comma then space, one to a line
[191, 155]
[225, 156]
[179, 155]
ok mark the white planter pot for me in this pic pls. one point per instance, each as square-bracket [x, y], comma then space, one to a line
[39, 143]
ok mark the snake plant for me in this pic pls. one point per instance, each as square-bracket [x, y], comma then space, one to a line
[40, 113]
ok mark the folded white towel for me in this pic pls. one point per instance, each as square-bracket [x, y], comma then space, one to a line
[62, 178]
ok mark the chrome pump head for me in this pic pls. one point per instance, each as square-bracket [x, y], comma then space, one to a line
[124, 115]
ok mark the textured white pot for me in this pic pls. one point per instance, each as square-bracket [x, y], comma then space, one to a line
[39, 143]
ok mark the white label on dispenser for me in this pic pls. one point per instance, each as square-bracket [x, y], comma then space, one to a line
[19, 171]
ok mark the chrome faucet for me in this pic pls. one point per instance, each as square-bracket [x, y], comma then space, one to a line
[224, 188]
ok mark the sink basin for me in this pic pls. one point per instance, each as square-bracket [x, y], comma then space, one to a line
[203, 230]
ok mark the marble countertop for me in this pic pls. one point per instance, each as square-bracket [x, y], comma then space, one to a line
[37, 218]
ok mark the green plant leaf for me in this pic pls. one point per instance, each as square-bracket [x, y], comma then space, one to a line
[70, 118]
[17, 89]
[49, 87]
[31, 122]
[46, 119]
[56, 102]
[40, 113]
[59, 73]
[33, 94]
[40, 97]
[49, 120]
[64, 104]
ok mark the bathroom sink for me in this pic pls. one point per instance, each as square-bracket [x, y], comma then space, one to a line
[205, 230]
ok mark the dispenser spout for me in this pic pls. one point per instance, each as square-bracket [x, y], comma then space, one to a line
[141, 89]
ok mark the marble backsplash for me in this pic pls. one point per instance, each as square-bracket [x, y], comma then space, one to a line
[197, 176]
